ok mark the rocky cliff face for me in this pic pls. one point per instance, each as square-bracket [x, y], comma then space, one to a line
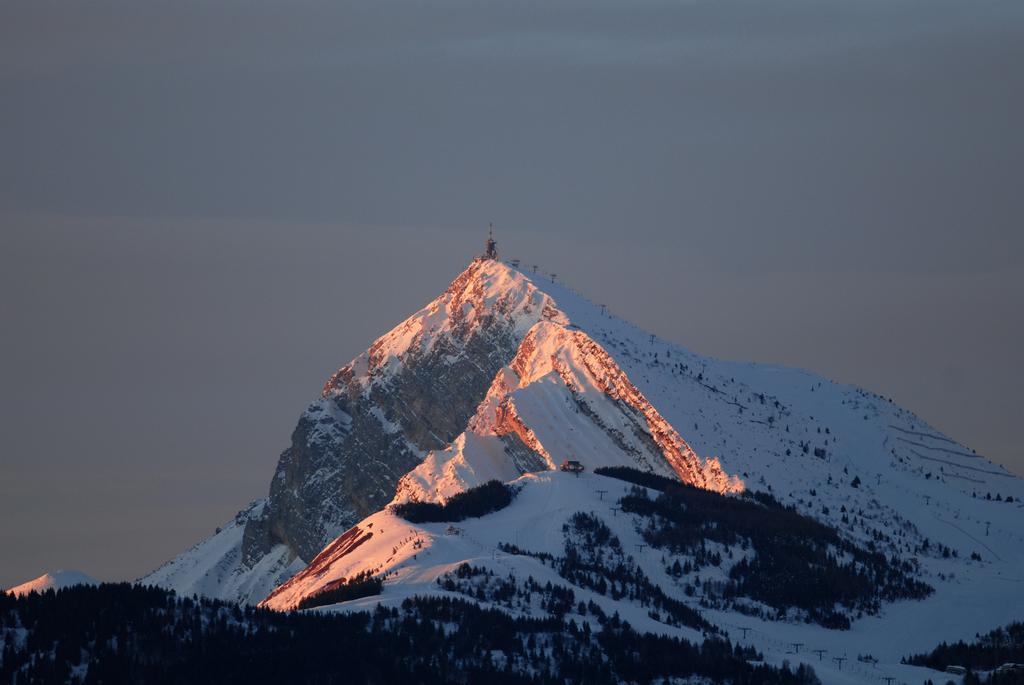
[411, 392]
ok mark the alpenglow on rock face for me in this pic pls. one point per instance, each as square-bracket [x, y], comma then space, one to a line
[561, 397]
[413, 391]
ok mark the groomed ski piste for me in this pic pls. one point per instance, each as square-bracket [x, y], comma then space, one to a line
[842, 455]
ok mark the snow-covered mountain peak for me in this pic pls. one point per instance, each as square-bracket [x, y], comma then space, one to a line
[488, 291]
[505, 375]
[55, 580]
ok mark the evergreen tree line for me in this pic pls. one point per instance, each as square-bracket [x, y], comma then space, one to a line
[483, 499]
[118, 633]
[797, 561]
[594, 559]
[363, 584]
[484, 585]
[986, 653]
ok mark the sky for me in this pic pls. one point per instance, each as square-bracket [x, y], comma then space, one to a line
[208, 207]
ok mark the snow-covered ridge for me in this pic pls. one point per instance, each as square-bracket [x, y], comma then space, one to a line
[53, 581]
[319, 571]
[562, 397]
[214, 566]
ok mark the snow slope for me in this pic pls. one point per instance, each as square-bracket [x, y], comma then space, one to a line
[214, 566]
[53, 581]
[573, 381]
[414, 557]
[848, 457]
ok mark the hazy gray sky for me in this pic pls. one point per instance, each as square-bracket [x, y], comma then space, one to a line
[207, 207]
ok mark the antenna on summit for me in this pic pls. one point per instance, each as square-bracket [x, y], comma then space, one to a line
[491, 249]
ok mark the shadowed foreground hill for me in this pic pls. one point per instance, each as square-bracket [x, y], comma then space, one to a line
[124, 633]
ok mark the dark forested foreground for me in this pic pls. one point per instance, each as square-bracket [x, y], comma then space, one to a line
[997, 657]
[123, 633]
